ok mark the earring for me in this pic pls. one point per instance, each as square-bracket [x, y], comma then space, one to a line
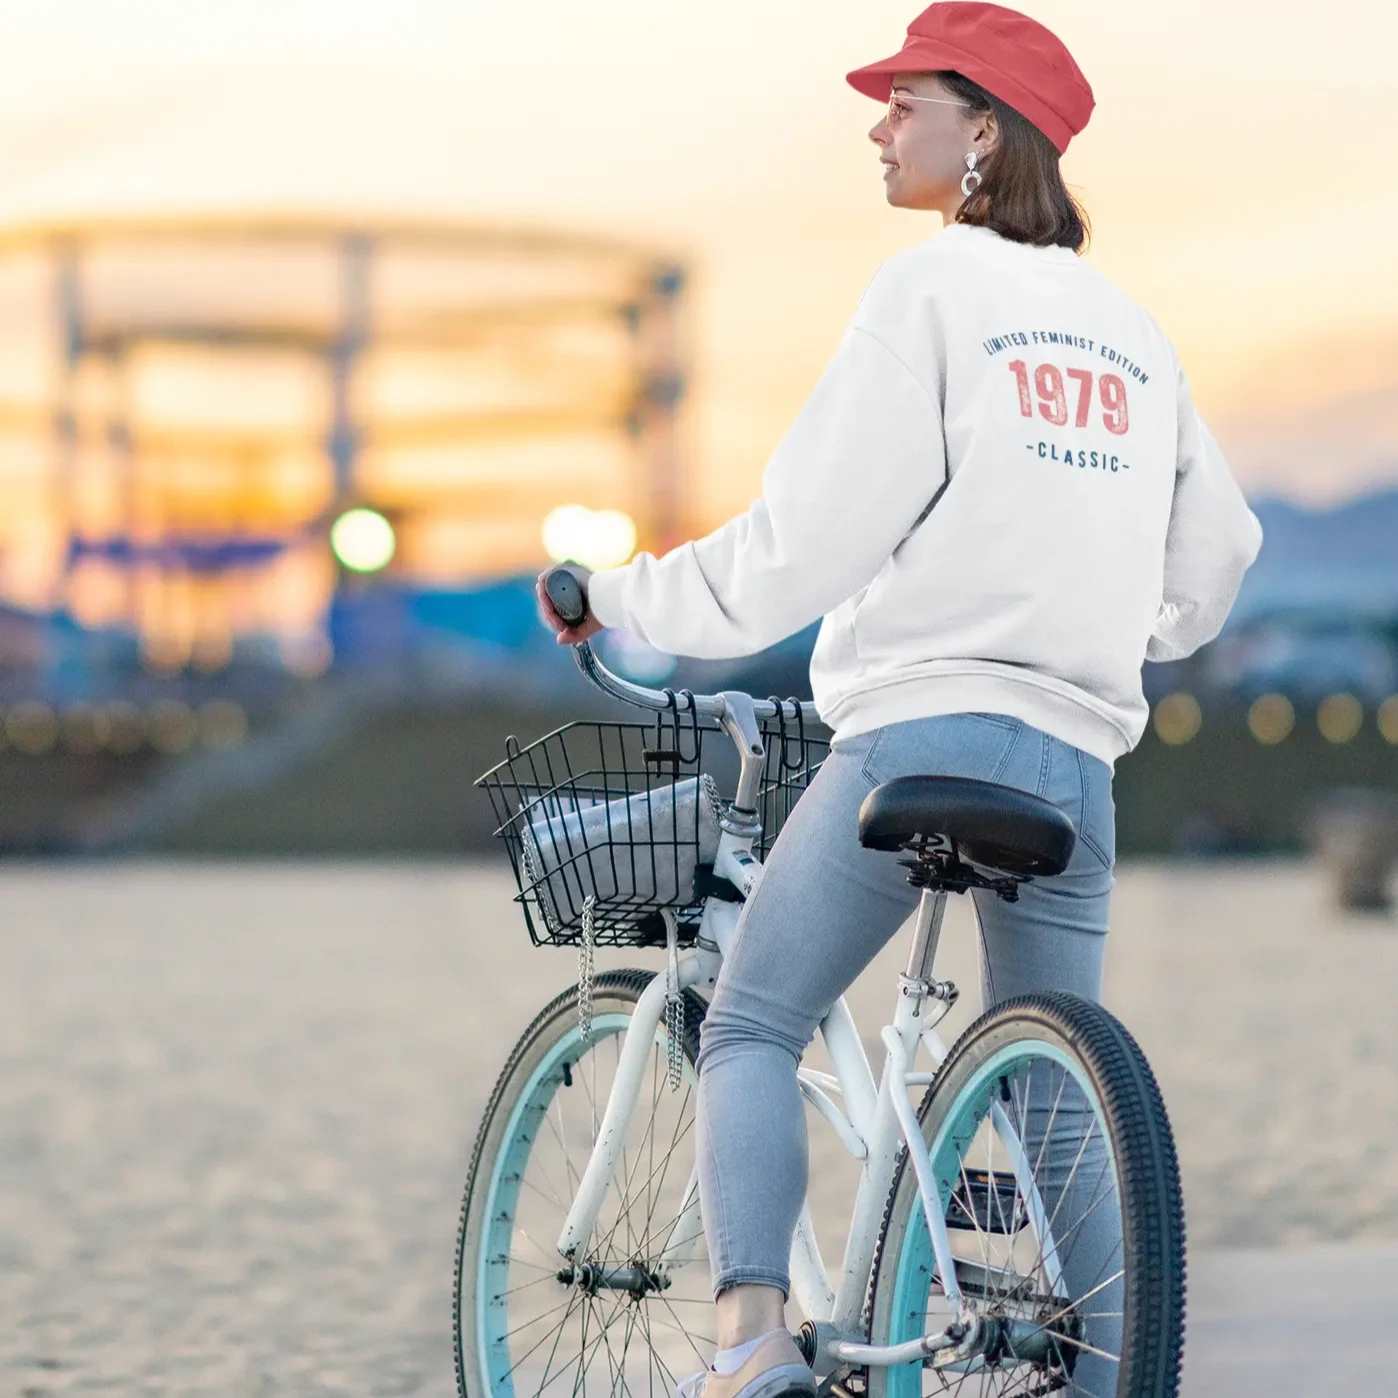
[971, 174]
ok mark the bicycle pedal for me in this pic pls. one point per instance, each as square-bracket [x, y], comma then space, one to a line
[992, 1198]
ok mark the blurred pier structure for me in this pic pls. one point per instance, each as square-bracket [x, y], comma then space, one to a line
[191, 408]
[277, 489]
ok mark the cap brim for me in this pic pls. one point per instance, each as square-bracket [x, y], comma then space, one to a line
[876, 79]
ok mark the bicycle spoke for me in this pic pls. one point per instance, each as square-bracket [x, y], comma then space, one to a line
[993, 1193]
[569, 1303]
[675, 1138]
[664, 1301]
[548, 1198]
[581, 1375]
[650, 1135]
[1070, 1232]
[970, 1209]
[664, 1164]
[1048, 1130]
[626, 1188]
[611, 1361]
[616, 1308]
[555, 1261]
[1083, 1345]
[524, 1286]
[560, 1134]
[625, 1170]
[534, 1320]
[1048, 1225]
[650, 1347]
[556, 1339]
[674, 1218]
[670, 1379]
[592, 1097]
[526, 1262]
[626, 1344]
[707, 1339]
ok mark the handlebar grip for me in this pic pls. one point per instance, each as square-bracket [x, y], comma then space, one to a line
[566, 593]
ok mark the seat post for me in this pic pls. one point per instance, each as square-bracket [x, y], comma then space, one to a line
[928, 929]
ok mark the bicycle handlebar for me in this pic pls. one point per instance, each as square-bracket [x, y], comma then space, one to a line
[569, 598]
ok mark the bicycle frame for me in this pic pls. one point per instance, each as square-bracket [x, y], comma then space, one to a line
[873, 1124]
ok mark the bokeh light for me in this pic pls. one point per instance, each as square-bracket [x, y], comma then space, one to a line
[307, 655]
[636, 659]
[594, 538]
[363, 540]
[212, 651]
[222, 723]
[1271, 718]
[125, 730]
[1387, 718]
[1177, 718]
[84, 728]
[32, 727]
[170, 725]
[1339, 717]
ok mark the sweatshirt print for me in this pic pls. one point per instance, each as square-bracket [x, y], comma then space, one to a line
[999, 497]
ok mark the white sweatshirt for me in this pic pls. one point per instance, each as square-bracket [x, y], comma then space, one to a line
[999, 496]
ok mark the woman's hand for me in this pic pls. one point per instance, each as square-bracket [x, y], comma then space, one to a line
[567, 635]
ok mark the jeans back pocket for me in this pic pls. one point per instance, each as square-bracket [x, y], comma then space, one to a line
[1097, 828]
[954, 745]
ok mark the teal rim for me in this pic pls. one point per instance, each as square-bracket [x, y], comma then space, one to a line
[493, 1261]
[917, 1263]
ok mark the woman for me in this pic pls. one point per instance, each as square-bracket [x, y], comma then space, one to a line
[1001, 500]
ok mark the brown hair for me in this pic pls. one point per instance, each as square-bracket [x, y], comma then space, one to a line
[1021, 195]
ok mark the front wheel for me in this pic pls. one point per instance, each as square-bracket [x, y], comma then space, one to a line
[638, 1306]
[1056, 1165]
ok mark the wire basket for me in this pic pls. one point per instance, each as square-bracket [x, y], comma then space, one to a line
[793, 758]
[626, 814]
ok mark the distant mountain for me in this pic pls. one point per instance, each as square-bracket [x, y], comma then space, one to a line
[1341, 561]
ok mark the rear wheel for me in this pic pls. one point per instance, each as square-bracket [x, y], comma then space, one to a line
[638, 1308]
[1071, 1258]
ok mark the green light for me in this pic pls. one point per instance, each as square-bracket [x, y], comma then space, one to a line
[362, 539]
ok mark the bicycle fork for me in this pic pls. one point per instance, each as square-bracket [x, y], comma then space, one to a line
[696, 966]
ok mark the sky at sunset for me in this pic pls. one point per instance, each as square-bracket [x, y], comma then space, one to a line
[1237, 171]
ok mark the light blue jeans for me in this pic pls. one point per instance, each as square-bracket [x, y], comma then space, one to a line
[824, 907]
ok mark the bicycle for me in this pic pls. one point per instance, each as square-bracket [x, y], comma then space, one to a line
[909, 1307]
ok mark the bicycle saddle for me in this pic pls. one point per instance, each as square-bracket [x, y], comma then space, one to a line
[1000, 827]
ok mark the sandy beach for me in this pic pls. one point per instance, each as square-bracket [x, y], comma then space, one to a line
[237, 1103]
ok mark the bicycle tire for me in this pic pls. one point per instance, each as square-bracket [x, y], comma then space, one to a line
[551, 1038]
[1146, 1177]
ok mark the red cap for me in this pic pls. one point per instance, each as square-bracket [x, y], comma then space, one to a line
[1025, 65]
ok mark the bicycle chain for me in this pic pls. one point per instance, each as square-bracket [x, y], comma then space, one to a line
[674, 1005]
[585, 968]
[674, 998]
[674, 1027]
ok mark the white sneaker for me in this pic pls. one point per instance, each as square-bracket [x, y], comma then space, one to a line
[775, 1369]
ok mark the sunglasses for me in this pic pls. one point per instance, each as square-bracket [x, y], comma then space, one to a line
[894, 98]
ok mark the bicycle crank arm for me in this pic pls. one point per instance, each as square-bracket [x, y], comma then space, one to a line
[994, 1340]
[960, 1338]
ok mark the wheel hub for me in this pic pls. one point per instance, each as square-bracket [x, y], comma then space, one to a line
[1001, 1339]
[634, 1276]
